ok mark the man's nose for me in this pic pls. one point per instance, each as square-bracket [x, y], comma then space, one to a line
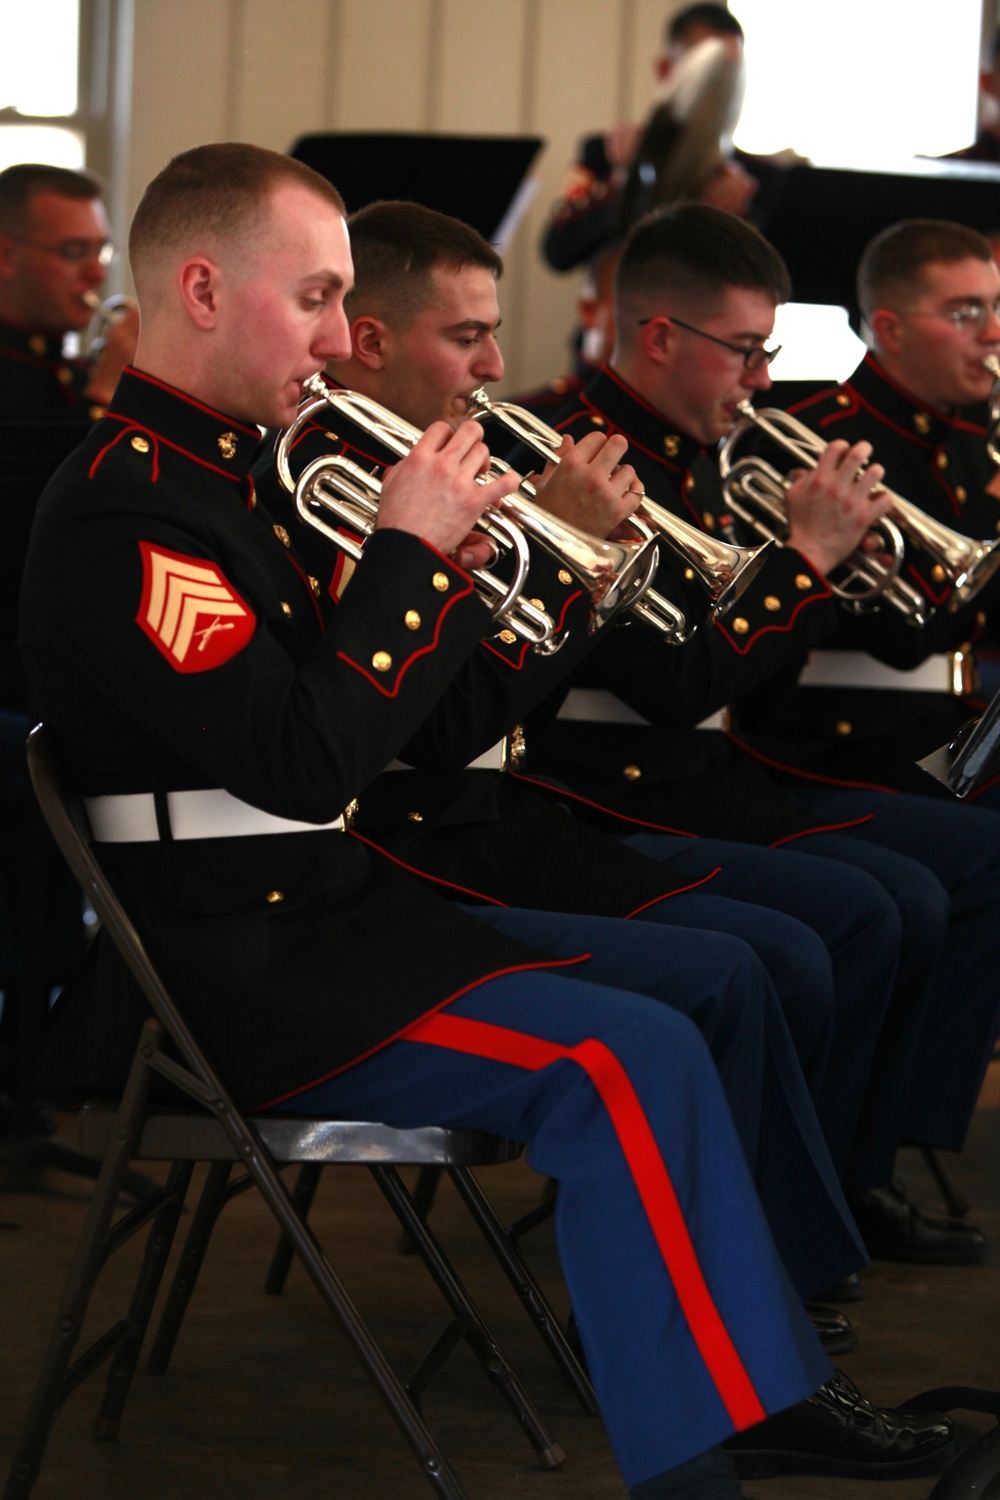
[488, 364]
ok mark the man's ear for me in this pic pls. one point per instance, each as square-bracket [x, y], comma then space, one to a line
[886, 326]
[198, 286]
[657, 339]
[368, 341]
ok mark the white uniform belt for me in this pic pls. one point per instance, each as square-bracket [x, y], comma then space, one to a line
[938, 674]
[490, 760]
[598, 706]
[209, 813]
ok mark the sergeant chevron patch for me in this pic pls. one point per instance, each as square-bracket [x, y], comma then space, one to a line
[189, 611]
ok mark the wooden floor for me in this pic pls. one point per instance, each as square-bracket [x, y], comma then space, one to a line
[263, 1401]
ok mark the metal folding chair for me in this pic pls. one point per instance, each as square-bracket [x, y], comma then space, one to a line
[214, 1130]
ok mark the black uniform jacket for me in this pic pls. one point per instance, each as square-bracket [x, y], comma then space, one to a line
[480, 834]
[38, 383]
[586, 217]
[173, 641]
[672, 775]
[874, 735]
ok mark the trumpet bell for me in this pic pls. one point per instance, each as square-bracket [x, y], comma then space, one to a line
[756, 491]
[724, 569]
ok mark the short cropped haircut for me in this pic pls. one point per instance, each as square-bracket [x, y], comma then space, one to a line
[215, 193]
[21, 183]
[395, 247]
[718, 17]
[890, 267]
[689, 254]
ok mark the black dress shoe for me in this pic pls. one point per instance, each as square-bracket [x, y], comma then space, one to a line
[848, 1290]
[837, 1431]
[893, 1228]
[833, 1330]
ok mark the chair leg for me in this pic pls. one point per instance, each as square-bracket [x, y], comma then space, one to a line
[474, 1327]
[274, 1191]
[302, 1196]
[536, 1304]
[154, 1263]
[954, 1200]
[540, 1215]
[58, 1378]
[423, 1198]
[195, 1247]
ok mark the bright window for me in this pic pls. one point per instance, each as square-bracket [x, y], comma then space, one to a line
[39, 72]
[862, 84]
[38, 60]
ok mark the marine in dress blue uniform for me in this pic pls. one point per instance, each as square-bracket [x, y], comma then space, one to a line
[176, 648]
[477, 834]
[786, 612]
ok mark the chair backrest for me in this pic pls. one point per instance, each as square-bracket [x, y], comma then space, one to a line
[64, 813]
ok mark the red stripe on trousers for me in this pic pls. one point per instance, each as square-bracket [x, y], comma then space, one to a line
[649, 1172]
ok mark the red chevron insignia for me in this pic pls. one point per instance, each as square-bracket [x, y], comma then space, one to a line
[189, 611]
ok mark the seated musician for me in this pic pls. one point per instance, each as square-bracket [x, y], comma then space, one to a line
[696, 296]
[424, 323]
[930, 293]
[188, 670]
[54, 254]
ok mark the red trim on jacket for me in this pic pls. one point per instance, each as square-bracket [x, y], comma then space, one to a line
[565, 791]
[451, 885]
[648, 1171]
[805, 833]
[526, 646]
[543, 963]
[423, 651]
[777, 765]
[131, 425]
[192, 401]
[741, 649]
[681, 891]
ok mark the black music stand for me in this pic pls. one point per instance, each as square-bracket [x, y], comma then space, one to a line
[480, 179]
[972, 758]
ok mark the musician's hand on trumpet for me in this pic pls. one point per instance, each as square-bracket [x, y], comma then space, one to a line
[590, 487]
[433, 492]
[832, 507]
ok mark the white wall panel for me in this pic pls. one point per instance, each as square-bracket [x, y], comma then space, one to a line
[182, 74]
[480, 80]
[270, 70]
[577, 47]
[281, 85]
[381, 64]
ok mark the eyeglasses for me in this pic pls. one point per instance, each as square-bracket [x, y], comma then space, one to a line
[753, 359]
[74, 252]
[972, 317]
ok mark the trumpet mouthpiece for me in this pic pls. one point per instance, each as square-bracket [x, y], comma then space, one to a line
[92, 299]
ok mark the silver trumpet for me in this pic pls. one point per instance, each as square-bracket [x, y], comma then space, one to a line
[992, 364]
[615, 574]
[723, 569]
[756, 491]
[333, 484]
[104, 315]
